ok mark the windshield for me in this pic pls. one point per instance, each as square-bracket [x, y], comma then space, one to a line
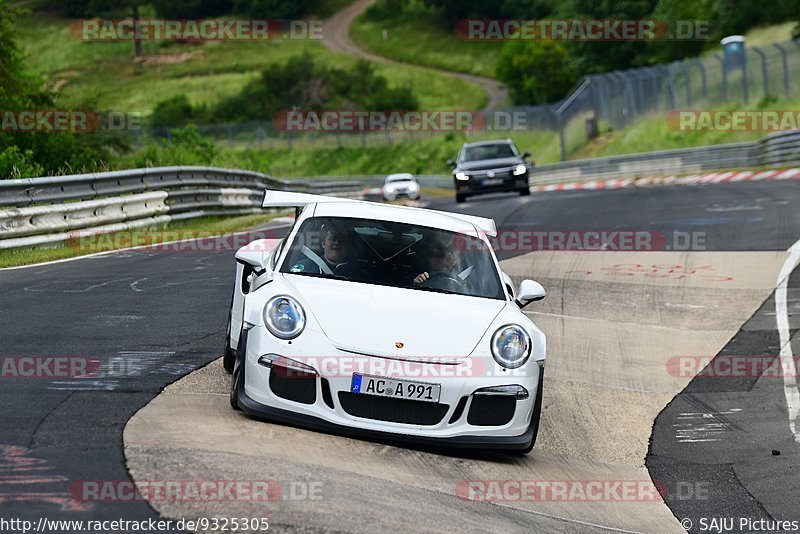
[393, 254]
[399, 178]
[495, 151]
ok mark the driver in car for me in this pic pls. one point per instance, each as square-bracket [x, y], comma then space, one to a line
[441, 259]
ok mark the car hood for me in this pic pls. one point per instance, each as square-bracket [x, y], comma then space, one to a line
[372, 320]
[486, 164]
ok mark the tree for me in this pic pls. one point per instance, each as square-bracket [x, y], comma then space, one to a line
[670, 11]
[454, 10]
[191, 9]
[272, 9]
[600, 56]
[13, 81]
[100, 8]
[536, 72]
[36, 153]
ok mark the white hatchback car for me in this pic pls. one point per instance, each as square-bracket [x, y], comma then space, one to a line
[385, 322]
[400, 185]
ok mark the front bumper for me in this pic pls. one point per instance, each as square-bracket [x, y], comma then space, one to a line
[412, 195]
[475, 186]
[325, 411]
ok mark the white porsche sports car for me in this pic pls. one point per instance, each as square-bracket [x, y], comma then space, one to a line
[385, 322]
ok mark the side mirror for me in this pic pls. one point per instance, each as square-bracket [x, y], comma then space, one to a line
[530, 291]
[526, 154]
[252, 258]
[451, 162]
[256, 254]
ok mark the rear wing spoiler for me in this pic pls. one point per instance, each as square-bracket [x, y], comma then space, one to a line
[484, 224]
[289, 199]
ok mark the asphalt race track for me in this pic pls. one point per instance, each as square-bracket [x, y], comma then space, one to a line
[615, 408]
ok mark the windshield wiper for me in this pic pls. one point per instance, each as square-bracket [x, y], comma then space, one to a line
[437, 290]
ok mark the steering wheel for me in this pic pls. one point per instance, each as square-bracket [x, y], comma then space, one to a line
[445, 280]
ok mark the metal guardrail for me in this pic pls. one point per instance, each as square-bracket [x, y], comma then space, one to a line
[778, 148]
[47, 211]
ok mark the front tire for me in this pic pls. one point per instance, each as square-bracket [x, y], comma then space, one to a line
[237, 383]
[535, 416]
[228, 354]
[525, 192]
[460, 198]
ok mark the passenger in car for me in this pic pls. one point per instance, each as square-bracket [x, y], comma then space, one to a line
[336, 246]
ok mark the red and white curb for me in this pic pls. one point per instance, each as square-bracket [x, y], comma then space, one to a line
[695, 179]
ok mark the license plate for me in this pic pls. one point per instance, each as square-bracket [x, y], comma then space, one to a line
[492, 181]
[398, 389]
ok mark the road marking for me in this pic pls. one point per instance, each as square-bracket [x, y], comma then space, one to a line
[787, 360]
[135, 285]
[85, 290]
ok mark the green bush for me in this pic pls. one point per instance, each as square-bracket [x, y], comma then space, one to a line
[536, 72]
[304, 84]
[183, 147]
[191, 9]
[15, 163]
[272, 9]
[174, 112]
[385, 9]
[362, 86]
[454, 10]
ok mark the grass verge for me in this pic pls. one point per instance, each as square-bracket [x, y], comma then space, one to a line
[200, 227]
[424, 155]
[654, 133]
[414, 36]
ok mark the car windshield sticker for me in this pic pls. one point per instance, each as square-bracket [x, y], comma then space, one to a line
[298, 268]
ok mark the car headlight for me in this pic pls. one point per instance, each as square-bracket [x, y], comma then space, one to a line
[284, 317]
[511, 346]
[388, 188]
[520, 169]
[413, 186]
[462, 176]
